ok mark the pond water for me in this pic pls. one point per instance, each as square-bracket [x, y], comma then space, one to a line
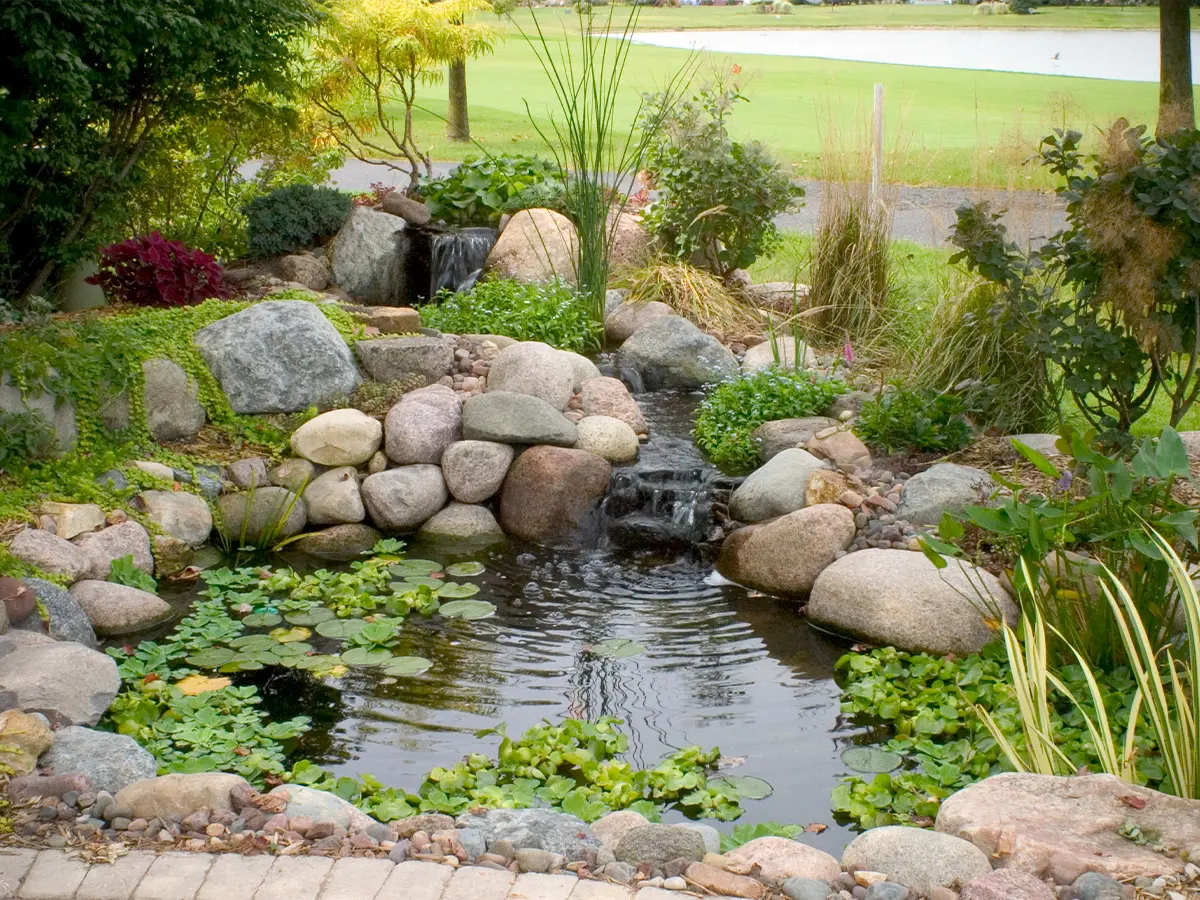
[722, 667]
[1112, 54]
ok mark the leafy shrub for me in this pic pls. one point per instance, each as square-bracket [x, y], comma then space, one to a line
[717, 198]
[1021, 7]
[152, 271]
[123, 571]
[550, 312]
[479, 191]
[733, 409]
[294, 217]
[916, 420]
[542, 195]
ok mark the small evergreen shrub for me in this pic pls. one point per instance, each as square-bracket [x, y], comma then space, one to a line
[152, 271]
[733, 409]
[916, 420]
[479, 191]
[294, 217]
[551, 312]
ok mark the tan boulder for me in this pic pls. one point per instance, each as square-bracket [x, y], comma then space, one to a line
[782, 858]
[552, 493]
[536, 245]
[179, 794]
[784, 556]
[606, 396]
[631, 315]
[23, 739]
[842, 448]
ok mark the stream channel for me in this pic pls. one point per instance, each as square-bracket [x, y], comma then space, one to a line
[722, 667]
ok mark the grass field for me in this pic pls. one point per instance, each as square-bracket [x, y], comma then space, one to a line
[955, 127]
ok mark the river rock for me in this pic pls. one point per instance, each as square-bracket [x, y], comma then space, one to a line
[463, 522]
[341, 543]
[103, 548]
[294, 474]
[541, 829]
[621, 324]
[552, 494]
[422, 425]
[248, 473]
[179, 514]
[784, 434]
[414, 212]
[321, 806]
[171, 400]
[474, 470]
[609, 397]
[536, 369]
[781, 858]
[611, 828]
[827, 486]
[658, 844]
[516, 419]
[179, 795]
[943, 487]
[116, 609]
[916, 857]
[392, 319]
[68, 621]
[305, 269]
[267, 514]
[1007, 884]
[400, 500]
[415, 358]
[722, 883]
[536, 245]
[671, 352]
[785, 555]
[775, 489]
[50, 554]
[57, 412]
[782, 353]
[899, 598]
[608, 438]
[1062, 826]
[68, 683]
[23, 738]
[581, 367]
[73, 519]
[278, 356]
[842, 448]
[334, 499]
[341, 437]
[806, 889]
[366, 259]
[111, 761]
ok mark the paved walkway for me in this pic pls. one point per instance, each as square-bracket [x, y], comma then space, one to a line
[142, 875]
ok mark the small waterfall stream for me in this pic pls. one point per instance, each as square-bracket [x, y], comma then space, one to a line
[456, 258]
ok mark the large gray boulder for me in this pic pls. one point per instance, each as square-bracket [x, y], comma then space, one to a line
[916, 857]
[333, 498]
[179, 514]
[402, 499]
[671, 352]
[50, 554]
[782, 434]
[58, 413]
[516, 419]
[415, 358]
[104, 547]
[116, 609]
[539, 829]
[340, 437]
[474, 470]
[422, 425]
[536, 369]
[777, 488]
[899, 598]
[536, 245]
[367, 260]
[266, 514]
[785, 555]
[463, 522]
[68, 621]
[171, 400]
[278, 356]
[111, 761]
[68, 683]
[943, 487]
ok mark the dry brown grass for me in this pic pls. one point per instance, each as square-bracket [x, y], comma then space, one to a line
[696, 295]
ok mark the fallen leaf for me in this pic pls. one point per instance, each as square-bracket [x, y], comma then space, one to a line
[1134, 801]
[814, 828]
[202, 684]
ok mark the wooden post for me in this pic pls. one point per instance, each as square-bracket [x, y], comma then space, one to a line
[877, 144]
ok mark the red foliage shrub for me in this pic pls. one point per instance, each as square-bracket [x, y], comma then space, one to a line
[152, 271]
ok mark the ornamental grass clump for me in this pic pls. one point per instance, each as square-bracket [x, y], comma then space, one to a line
[696, 295]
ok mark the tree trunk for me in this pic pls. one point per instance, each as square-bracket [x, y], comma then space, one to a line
[457, 126]
[1175, 108]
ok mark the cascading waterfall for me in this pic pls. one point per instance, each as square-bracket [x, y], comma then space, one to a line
[457, 258]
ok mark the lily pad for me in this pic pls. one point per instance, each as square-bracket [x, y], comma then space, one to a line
[361, 656]
[310, 617]
[290, 635]
[297, 648]
[423, 581]
[455, 590]
[340, 629]
[319, 663]
[618, 648]
[466, 569]
[871, 760]
[748, 787]
[251, 642]
[210, 658]
[241, 665]
[414, 567]
[262, 620]
[406, 665]
[467, 609]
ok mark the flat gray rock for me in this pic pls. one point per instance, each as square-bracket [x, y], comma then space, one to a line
[117, 609]
[516, 419]
[777, 488]
[402, 499]
[418, 359]
[671, 352]
[943, 487]
[541, 829]
[180, 515]
[110, 760]
[171, 401]
[50, 554]
[68, 683]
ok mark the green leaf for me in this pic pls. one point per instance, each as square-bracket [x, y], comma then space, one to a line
[1039, 461]
[314, 616]
[361, 656]
[467, 609]
[406, 665]
[465, 569]
[871, 760]
[747, 787]
[423, 581]
[1172, 455]
[340, 628]
[618, 648]
[453, 589]
[262, 620]
[211, 658]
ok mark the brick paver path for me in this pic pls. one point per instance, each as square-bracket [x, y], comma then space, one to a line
[142, 875]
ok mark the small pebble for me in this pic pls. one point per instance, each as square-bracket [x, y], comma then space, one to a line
[675, 883]
[56, 840]
[71, 798]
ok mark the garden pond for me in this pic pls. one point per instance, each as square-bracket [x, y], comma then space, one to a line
[712, 664]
